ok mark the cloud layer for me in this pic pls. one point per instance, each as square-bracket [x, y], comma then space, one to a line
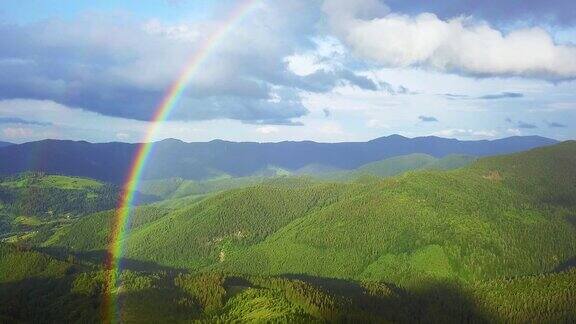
[460, 45]
[551, 11]
[121, 66]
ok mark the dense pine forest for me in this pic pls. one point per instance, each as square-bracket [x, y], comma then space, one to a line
[406, 239]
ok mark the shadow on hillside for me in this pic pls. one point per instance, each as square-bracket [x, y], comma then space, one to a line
[434, 302]
[566, 265]
[97, 258]
[51, 300]
[46, 300]
[571, 219]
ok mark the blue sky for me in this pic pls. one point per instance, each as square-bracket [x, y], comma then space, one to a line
[30, 11]
[324, 70]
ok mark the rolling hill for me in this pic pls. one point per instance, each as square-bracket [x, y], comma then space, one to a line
[215, 159]
[178, 187]
[498, 217]
[3, 144]
[492, 241]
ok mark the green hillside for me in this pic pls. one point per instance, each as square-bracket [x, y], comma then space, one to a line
[316, 169]
[501, 216]
[174, 188]
[34, 205]
[43, 289]
[398, 165]
[47, 196]
[203, 233]
[91, 233]
[489, 242]
[178, 188]
[450, 162]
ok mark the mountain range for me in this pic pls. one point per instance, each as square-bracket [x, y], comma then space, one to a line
[3, 144]
[215, 159]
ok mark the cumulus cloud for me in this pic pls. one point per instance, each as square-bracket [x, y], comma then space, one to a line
[427, 118]
[460, 45]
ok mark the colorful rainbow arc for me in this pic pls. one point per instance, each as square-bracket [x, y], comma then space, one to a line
[111, 307]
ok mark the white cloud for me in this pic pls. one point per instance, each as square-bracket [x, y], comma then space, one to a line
[123, 136]
[467, 133]
[376, 123]
[560, 106]
[17, 133]
[514, 131]
[459, 45]
[331, 128]
[267, 130]
[328, 55]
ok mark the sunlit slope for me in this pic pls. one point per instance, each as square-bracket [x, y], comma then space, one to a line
[400, 164]
[33, 205]
[206, 232]
[92, 233]
[173, 188]
[396, 165]
[547, 175]
[502, 216]
[450, 162]
[178, 188]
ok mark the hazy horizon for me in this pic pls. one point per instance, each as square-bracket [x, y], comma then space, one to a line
[296, 141]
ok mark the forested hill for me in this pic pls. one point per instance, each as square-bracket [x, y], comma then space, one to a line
[493, 241]
[173, 158]
[3, 144]
[500, 217]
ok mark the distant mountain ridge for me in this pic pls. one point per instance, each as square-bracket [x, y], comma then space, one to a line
[204, 160]
[3, 144]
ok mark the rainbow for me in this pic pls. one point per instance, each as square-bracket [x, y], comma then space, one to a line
[111, 306]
